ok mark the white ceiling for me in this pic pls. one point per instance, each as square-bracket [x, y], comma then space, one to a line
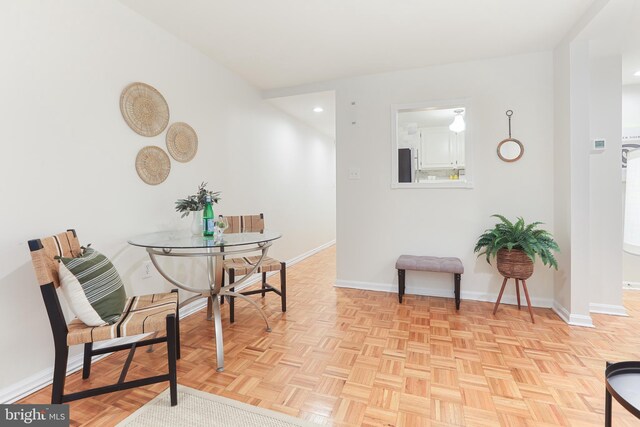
[616, 30]
[301, 107]
[281, 43]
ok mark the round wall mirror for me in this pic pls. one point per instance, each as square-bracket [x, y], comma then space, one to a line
[510, 150]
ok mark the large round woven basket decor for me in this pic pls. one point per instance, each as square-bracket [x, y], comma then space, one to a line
[153, 165]
[144, 109]
[182, 142]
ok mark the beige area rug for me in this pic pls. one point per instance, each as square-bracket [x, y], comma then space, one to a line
[197, 408]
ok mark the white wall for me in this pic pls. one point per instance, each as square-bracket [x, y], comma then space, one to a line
[587, 191]
[579, 86]
[605, 184]
[631, 106]
[385, 223]
[68, 157]
[376, 224]
[562, 176]
[630, 119]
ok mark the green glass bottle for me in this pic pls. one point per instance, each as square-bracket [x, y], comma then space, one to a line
[208, 221]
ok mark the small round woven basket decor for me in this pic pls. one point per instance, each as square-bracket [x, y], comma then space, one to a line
[153, 165]
[182, 142]
[144, 109]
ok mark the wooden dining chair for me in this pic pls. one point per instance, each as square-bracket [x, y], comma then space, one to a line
[241, 266]
[157, 313]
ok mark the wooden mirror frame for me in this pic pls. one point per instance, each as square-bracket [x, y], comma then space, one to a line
[504, 141]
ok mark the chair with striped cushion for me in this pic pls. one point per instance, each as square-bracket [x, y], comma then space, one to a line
[156, 314]
[235, 267]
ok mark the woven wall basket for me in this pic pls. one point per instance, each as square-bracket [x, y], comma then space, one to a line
[182, 142]
[153, 165]
[515, 264]
[144, 109]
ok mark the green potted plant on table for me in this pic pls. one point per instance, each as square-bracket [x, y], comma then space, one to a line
[515, 245]
[195, 203]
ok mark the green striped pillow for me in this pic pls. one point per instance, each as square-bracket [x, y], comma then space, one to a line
[92, 287]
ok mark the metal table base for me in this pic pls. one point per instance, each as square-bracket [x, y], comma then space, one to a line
[215, 289]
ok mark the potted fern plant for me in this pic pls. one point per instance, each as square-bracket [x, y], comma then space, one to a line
[515, 245]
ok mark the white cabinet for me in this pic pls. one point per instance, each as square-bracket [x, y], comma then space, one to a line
[458, 149]
[436, 150]
[441, 148]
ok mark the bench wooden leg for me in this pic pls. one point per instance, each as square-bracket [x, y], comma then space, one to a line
[456, 279]
[400, 285]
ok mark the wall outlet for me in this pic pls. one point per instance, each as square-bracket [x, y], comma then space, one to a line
[354, 173]
[147, 270]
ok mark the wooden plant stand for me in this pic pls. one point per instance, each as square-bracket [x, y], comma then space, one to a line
[526, 294]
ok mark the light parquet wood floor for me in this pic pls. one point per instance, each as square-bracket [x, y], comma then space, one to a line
[351, 357]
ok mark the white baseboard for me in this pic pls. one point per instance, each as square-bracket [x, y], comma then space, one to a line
[614, 310]
[193, 307]
[43, 378]
[290, 262]
[562, 312]
[295, 260]
[631, 285]
[367, 286]
[583, 320]
[572, 319]
[441, 293]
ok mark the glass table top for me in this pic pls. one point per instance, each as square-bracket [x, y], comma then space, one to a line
[183, 239]
[628, 387]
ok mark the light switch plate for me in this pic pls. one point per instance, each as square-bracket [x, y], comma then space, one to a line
[354, 173]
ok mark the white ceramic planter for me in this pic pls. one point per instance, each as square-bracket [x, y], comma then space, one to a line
[196, 223]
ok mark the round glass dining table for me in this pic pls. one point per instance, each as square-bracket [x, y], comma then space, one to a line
[182, 244]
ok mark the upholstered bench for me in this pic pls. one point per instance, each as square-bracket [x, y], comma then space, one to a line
[430, 263]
